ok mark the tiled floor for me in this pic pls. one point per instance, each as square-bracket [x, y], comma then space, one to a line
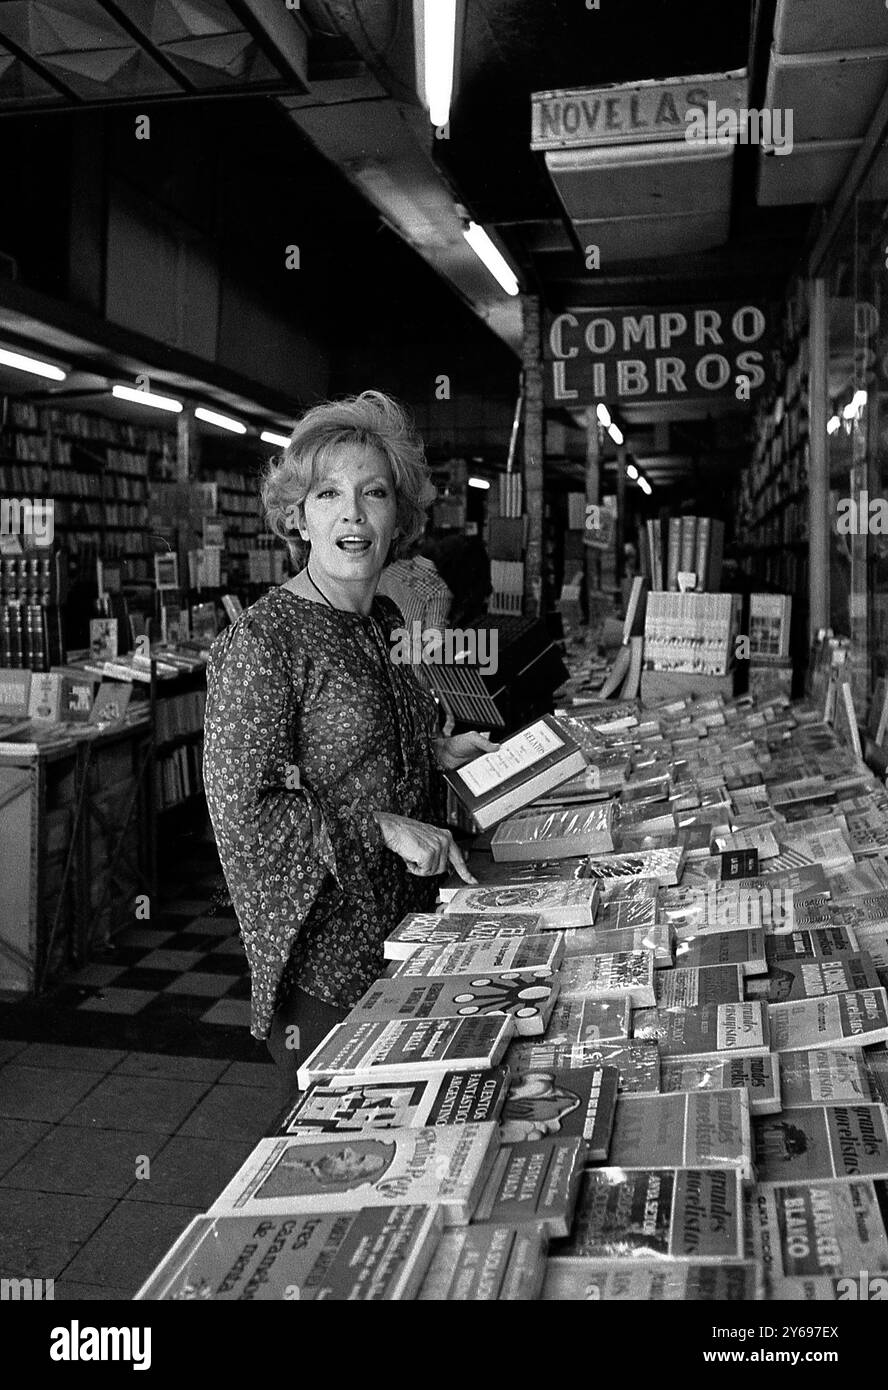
[129, 1095]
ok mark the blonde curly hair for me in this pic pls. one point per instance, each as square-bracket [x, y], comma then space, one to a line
[371, 419]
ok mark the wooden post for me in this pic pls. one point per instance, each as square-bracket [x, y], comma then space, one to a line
[621, 514]
[593, 498]
[534, 427]
[818, 464]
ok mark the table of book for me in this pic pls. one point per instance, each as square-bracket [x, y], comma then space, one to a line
[615, 1069]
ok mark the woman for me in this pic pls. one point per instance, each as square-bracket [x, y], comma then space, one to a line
[321, 752]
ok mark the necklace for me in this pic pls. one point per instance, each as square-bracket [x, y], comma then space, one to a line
[318, 589]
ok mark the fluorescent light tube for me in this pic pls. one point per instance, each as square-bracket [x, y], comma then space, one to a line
[632, 471]
[615, 433]
[132, 393]
[479, 482]
[645, 486]
[604, 415]
[436, 41]
[224, 422]
[21, 363]
[269, 437]
[496, 263]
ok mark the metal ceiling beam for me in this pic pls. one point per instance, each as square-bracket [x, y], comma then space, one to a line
[120, 18]
[37, 67]
[280, 33]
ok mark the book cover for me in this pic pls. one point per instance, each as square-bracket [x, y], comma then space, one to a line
[673, 551]
[476, 958]
[856, 1019]
[811, 941]
[692, 986]
[374, 1255]
[759, 1077]
[607, 1018]
[15, 689]
[560, 833]
[828, 1077]
[535, 1182]
[539, 757]
[562, 903]
[675, 1213]
[822, 1141]
[663, 864]
[808, 979]
[45, 700]
[103, 638]
[443, 1165]
[111, 702]
[860, 910]
[829, 1227]
[342, 1107]
[711, 1028]
[590, 941]
[528, 997]
[434, 929]
[650, 1281]
[745, 947]
[576, 1101]
[702, 543]
[683, 1129]
[486, 1264]
[769, 617]
[406, 1051]
[638, 1063]
[688, 547]
[620, 972]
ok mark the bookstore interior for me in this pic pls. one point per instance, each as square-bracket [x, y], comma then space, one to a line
[570, 840]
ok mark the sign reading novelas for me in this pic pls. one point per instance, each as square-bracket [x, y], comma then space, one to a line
[630, 112]
[662, 354]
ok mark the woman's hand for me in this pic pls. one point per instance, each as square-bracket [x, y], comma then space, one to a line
[462, 748]
[425, 849]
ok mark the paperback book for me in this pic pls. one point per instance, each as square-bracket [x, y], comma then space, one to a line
[443, 1165]
[539, 757]
[487, 1264]
[395, 1051]
[536, 1182]
[759, 1077]
[683, 1129]
[607, 1018]
[623, 972]
[528, 997]
[744, 947]
[560, 833]
[856, 1019]
[560, 904]
[739, 1028]
[830, 1227]
[650, 1281]
[823, 942]
[809, 979]
[691, 987]
[540, 954]
[341, 1107]
[638, 1063]
[665, 865]
[829, 1077]
[576, 1102]
[675, 1213]
[433, 929]
[822, 1141]
[377, 1254]
[591, 941]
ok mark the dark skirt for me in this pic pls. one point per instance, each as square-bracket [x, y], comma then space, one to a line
[300, 1022]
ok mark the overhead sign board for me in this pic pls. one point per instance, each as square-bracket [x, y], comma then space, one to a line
[669, 353]
[629, 113]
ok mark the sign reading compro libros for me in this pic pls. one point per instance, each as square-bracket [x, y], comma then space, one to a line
[662, 354]
[627, 114]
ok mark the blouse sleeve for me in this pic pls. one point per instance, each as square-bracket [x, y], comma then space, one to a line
[277, 841]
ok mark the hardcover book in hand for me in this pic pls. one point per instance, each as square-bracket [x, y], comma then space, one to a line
[539, 757]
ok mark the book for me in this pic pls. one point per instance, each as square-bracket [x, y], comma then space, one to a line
[683, 1129]
[539, 757]
[759, 1077]
[407, 1051]
[378, 1254]
[560, 833]
[650, 1281]
[737, 1027]
[492, 875]
[665, 865]
[529, 953]
[434, 929]
[45, 699]
[825, 942]
[808, 979]
[15, 689]
[861, 910]
[443, 1165]
[675, 1213]
[638, 1063]
[822, 1141]
[855, 1019]
[103, 638]
[486, 1264]
[688, 987]
[605, 1018]
[829, 1076]
[769, 619]
[569, 903]
[829, 1227]
[535, 1182]
[590, 941]
[574, 1101]
[621, 972]
[111, 702]
[744, 947]
[341, 1107]
[527, 997]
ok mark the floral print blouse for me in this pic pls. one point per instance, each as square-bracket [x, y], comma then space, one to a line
[310, 727]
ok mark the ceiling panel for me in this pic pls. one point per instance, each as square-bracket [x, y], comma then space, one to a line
[814, 26]
[831, 96]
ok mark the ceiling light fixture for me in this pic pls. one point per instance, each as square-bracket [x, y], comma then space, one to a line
[479, 482]
[437, 27]
[132, 393]
[223, 422]
[645, 486]
[269, 437]
[615, 433]
[496, 263]
[632, 471]
[604, 415]
[833, 424]
[21, 363]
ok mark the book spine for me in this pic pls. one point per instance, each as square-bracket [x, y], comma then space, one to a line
[688, 542]
[716, 551]
[702, 544]
[674, 551]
